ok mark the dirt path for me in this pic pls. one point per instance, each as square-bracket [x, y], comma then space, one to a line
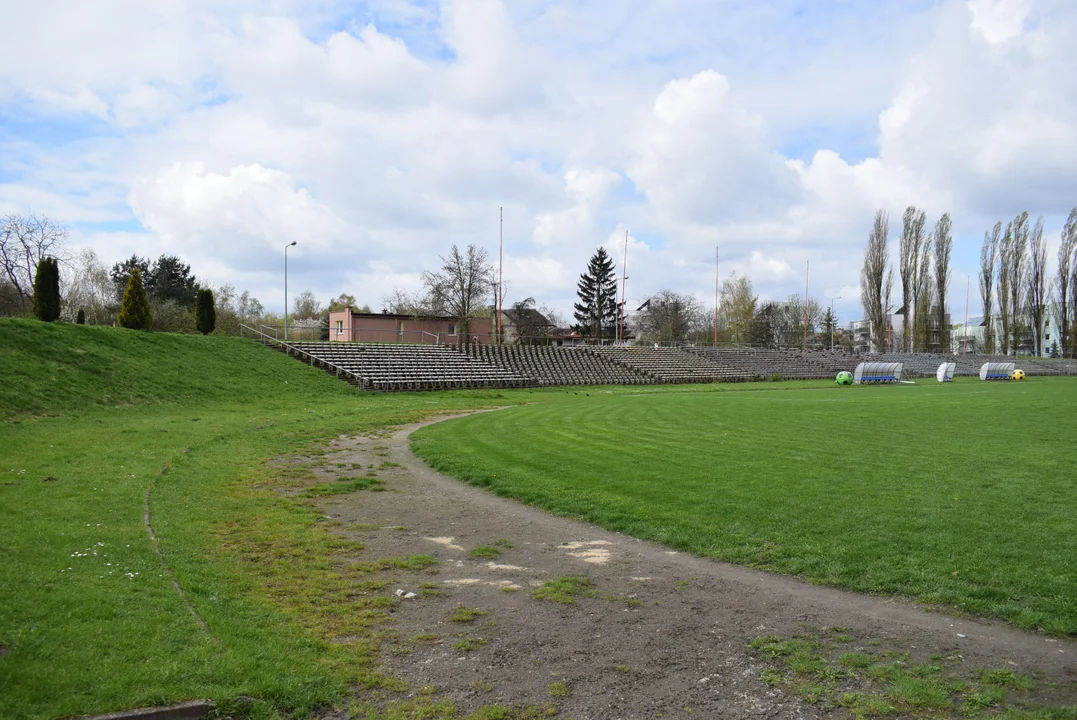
[662, 634]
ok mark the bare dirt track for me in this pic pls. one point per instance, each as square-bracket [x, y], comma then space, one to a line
[660, 634]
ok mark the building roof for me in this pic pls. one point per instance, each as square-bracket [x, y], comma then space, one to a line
[401, 316]
[527, 316]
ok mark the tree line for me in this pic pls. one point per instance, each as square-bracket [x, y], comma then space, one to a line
[1013, 277]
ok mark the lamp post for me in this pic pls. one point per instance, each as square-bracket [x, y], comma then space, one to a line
[832, 323]
[291, 244]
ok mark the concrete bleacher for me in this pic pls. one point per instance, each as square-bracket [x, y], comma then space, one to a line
[409, 366]
[790, 364]
[387, 366]
[670, 365]
[551, 365]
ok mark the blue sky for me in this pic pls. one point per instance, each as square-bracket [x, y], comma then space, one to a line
[377, 134]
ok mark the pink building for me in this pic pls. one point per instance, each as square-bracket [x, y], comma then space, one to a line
[349, 326]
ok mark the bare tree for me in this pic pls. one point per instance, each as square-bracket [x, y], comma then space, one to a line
[988, 253]
[1005, 262]
[925, 291]
[1018, 277]
[1066, 278]
[1037, 285]
[943, 242]
[306, 306]
[873, 283]
[530, 324]
[668, 316]
[736, 309]
[464, 282]
[88, 287]
[24, 241]
[912, 240]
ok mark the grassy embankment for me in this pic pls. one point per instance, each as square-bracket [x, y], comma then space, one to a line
[960, 494]
[89, 620]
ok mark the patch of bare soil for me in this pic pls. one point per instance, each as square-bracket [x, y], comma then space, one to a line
[648, 633]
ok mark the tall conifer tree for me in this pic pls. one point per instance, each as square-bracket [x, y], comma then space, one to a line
[47, 290]
[596, 312]
[135, 310]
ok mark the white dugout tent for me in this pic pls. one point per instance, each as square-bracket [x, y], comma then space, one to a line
[877, 372]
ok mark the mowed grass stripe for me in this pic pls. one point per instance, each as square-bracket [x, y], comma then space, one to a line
[955, 494]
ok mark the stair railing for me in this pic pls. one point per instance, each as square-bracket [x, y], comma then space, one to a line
[291, 349]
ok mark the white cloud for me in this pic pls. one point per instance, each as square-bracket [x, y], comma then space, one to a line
[380, 136]
[250, 209]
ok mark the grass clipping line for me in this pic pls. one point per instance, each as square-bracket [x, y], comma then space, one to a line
[157, 551]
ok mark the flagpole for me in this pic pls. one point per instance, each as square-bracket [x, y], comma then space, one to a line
[968, 283]
[500, 271]
[806, 305]
[716, 263]
[624, 282]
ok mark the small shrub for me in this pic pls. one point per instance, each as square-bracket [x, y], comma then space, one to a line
[775, 377]
[135, 309]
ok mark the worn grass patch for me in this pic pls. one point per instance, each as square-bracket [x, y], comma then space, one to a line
[465, 614]
[563, 590]
[344, 486]
[871, 682]
[486, 552]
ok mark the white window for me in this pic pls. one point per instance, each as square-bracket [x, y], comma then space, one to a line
[452, 328]
[340, 327]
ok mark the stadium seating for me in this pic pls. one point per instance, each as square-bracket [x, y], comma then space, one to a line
[388, 366]
[671, 365]
[409, 366]
[551, 365]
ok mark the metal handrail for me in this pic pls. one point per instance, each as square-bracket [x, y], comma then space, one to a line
[293, 349]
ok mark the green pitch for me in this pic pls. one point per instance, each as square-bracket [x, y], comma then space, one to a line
[960, 494]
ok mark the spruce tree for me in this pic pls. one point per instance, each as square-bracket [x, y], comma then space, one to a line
[80, 319]
[135, 309]
[596, 311]
[207, 313]
[47, 290]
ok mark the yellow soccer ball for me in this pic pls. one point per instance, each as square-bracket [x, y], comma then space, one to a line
[1018, 374]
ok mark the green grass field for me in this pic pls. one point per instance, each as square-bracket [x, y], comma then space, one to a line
[961, 494]
[89, 621]
[881, 489]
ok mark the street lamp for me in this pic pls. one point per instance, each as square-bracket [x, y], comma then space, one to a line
[832, 323]
[291, 244]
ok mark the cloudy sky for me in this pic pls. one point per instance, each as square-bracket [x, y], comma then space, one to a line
[377, 134]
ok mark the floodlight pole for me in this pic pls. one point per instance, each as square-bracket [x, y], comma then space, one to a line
[832, 323]
[968, 282]
[624, 282]
[286, 287]
[500, 275]
[716, 276]
[806, 265]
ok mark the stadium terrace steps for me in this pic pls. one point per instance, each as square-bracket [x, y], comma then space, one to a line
[388, 366]
[409, 367]
[551, 365]
[670, 365]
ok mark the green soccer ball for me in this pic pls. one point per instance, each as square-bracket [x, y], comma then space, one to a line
[844, 378]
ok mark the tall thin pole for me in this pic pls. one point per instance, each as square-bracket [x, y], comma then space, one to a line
[291, 244]
[624, 282]
[806, 306]
[968, 282]
[832, 323]
[716, 276]
[500, 273]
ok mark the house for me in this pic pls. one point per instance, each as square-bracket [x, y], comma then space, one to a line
[349, 326]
